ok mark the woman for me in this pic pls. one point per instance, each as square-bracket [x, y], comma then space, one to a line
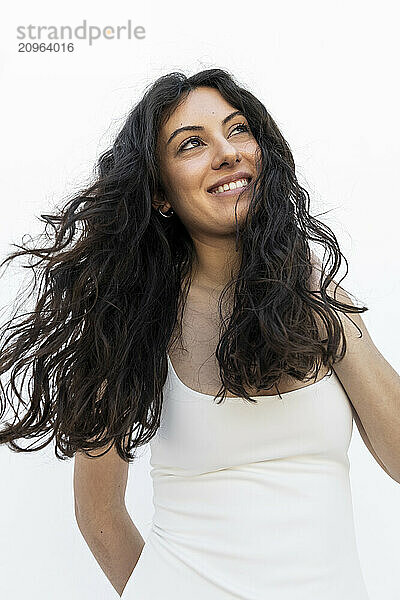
[167, 286]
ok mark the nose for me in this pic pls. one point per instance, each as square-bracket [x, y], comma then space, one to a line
[225, 153]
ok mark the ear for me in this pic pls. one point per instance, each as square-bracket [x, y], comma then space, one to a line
[159, 200]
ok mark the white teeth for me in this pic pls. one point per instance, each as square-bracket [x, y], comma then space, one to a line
[231, 186]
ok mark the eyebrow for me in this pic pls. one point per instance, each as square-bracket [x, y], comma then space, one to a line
[200, 128]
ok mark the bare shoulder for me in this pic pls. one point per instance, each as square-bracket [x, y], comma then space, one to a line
[338, 293]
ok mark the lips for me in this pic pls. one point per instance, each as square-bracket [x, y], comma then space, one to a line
[225, 193]
[229, 178]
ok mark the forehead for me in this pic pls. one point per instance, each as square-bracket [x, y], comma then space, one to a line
[202, 106]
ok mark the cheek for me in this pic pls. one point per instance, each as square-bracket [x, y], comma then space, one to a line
[188, 180]
[252, 149]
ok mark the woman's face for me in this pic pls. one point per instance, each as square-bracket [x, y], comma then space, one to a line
[192, 161]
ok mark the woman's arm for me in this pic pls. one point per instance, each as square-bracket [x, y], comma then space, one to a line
[373, 388]
[371, 384]
[114, 541]
[102, 517]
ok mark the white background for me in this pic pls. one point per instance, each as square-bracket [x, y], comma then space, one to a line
[327, 72]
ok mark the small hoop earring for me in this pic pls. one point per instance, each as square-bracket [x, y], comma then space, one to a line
[164, 214]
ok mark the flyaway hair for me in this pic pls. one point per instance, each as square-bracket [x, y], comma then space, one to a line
[86, 365]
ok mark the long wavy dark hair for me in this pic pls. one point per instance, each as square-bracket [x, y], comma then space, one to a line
[108, 290]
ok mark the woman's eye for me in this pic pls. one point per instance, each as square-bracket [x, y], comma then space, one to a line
[197, 139]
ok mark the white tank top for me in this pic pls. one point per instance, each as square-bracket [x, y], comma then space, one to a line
[251, 501]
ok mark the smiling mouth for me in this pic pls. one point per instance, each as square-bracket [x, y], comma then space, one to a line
[231, 192]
